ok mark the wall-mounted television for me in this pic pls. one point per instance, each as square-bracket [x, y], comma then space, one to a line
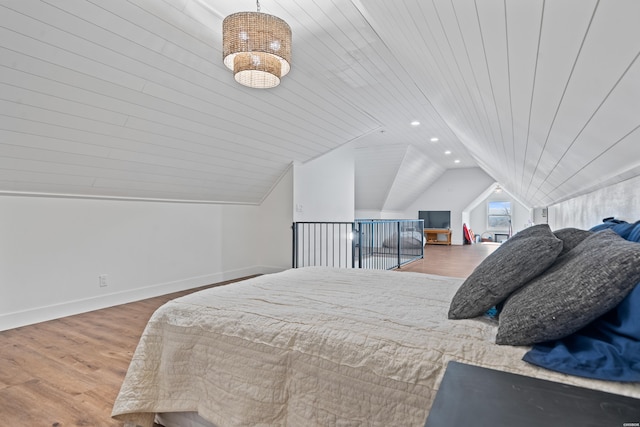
[435, 219]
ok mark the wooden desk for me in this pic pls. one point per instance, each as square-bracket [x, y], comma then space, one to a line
[481, 397]
[431, 236]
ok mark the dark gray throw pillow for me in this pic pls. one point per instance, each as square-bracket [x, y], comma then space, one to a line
[517, 260]
[582, 285]
[571, 237]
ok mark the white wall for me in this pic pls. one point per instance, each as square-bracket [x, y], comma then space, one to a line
[540, 215]
[453, 191]
[324, 188]
[53, 249]
[367, 214]
[324, 191]
[621, 201]
[520, 215]
[373, 214]
[275, 217]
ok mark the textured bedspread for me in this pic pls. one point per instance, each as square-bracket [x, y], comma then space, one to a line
[313, 347]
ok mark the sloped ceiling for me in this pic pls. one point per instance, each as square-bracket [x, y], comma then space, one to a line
[129, 98]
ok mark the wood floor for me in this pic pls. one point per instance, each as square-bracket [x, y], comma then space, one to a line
[453, 260]
[67, 372]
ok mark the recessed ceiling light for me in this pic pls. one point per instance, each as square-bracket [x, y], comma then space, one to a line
[447, 152]
[434, 139]
[456, 161]
[415, 123]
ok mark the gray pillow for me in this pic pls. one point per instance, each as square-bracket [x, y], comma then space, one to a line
[571, 237]
[582, 285]
[517, 260]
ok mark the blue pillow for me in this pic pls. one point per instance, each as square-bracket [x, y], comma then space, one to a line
[606, 349]
[609, 347]
[634, 236]
[607, 223]
[623, 228]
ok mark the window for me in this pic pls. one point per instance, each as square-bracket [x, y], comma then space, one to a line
[499, 215]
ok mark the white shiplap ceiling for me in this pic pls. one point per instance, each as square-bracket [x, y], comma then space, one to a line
[129, 98]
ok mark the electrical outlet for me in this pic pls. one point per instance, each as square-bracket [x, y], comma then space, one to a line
[102, 280]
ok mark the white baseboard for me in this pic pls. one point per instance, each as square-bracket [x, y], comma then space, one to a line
[69, 308]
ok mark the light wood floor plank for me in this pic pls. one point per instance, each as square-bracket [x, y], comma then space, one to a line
[454, 260]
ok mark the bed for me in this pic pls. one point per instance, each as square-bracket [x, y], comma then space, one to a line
[408, 240]
[315, 346]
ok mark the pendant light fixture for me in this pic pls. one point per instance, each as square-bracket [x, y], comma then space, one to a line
[257, 48]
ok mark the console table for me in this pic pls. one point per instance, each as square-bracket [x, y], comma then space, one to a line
[480, 397]
[431, 236]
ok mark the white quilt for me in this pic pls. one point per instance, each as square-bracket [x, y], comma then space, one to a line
[313, 347]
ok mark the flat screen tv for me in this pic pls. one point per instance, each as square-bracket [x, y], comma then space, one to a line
[435, 219]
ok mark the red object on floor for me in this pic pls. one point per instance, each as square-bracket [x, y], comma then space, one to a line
[468, 234]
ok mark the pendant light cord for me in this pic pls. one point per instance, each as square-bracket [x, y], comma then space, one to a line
[258, 5]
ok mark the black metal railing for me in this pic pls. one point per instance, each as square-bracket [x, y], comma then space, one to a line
[375, 244]
[387, 244]
[327, 244]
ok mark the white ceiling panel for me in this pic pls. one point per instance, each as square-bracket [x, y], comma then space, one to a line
[416, 172]
[375, 170]
[562, 29]
[602, 89]
[129, 98]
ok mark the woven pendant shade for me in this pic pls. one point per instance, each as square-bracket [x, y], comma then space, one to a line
[257, 48]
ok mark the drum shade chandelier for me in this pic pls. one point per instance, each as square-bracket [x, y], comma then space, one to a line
[257, 48]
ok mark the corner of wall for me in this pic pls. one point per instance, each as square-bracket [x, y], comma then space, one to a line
[275, 217]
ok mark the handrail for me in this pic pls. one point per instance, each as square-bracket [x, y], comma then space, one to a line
[364, 243]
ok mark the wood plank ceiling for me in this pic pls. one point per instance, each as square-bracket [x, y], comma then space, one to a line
[129, 98]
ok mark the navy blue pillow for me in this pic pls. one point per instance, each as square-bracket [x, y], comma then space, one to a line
[621, 227]
[634, 236]
[609, 347]
[607, 223]
[624, 230]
